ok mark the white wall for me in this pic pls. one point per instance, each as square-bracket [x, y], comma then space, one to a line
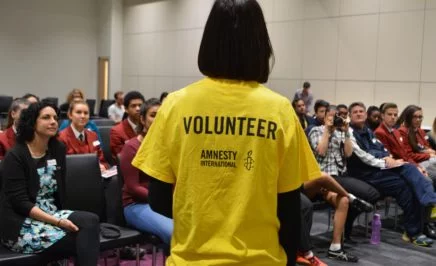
[48, 47]
[372, 50]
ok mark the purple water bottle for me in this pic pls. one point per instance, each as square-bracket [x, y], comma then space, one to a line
[376, 227]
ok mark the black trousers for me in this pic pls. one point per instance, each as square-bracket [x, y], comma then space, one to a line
[361, 190]
[306, 208]
[84, 244]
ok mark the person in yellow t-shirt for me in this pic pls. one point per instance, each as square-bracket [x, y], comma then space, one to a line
[227, 156]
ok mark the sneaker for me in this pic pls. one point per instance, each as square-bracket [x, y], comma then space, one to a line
[315, 261]
[342, 255]
[361, 205]
[421, 240]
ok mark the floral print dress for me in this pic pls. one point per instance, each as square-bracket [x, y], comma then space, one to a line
[36, 236]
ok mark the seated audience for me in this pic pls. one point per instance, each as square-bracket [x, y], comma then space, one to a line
[373, 117]
[393, 142]
[137, 211]
[432, 135]
[398, 145]
[331, 145]
[7, 138]
[414, 138]
[163, 96]
[32, 218]
[306, 95]
[75, 95]
[77, 138]
[300, 110]
[31, 98]
[127, 128]
[116, 110]
[342, 111]
[321, 107]
[371, 163]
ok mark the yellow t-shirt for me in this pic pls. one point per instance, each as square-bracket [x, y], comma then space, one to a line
[230, 147]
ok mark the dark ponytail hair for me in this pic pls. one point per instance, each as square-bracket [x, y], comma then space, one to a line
[408, 117]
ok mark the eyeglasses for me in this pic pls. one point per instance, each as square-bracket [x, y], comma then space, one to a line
[420, 117]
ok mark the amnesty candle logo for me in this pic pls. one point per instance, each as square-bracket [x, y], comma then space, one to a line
[249, 162]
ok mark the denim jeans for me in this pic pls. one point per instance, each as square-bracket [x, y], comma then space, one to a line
[389, 183]
[421, 185]
[141, 217]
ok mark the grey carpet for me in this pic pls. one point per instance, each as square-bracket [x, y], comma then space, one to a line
[392, 251]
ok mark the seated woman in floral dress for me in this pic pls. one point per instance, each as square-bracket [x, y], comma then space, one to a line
[32, 218]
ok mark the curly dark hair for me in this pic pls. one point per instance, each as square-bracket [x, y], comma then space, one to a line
[27, 122]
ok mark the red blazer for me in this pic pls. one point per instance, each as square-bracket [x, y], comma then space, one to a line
[393, 142]
[119, 135]
[7, 141]
[90, 145]
[421, 139]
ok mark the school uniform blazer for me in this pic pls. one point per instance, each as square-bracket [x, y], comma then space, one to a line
[421, 139]
[21, 185]
[75, 146]
[7, 141]
[119, 135]
[394, 142]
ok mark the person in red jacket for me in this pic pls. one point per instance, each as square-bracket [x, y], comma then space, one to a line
[415, 139]
[78, 139]
[137, 209]
[126, 130]
[7, 137]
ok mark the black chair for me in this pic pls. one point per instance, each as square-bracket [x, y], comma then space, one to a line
[104, 105]
[5, 104]
[91, 104]
[105, 134]
[84, 191]
[104, 122]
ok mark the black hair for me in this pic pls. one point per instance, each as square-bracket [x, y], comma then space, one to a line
[27, 122]
[319, 104]
[295, 101]
[306, 85]
[28, 95]
[235, 43]
[371, 110]
[132, 95]
[13, 108]
[408, 117]
[163, 96]
[341, 106]
[144, 109]
[361, 104]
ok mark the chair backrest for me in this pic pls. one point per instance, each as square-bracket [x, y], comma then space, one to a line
[1, 175]
[104, 105]
[83, 182]
[5, 104]
[91, 104]
[105, 134]
[114, 199]
[104, 122]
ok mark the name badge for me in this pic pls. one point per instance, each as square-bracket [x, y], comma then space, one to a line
[96, 143]
[374, 140]
[51, 162]
[401, 139]
[426, 137]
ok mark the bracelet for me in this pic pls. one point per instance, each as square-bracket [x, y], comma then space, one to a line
[59, 222]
